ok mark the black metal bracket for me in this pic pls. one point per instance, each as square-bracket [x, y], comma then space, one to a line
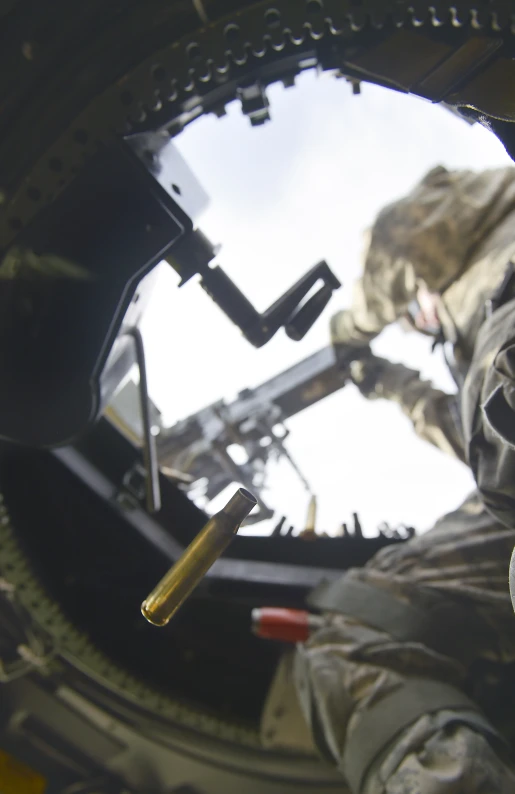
[194, 252]
[70, 283]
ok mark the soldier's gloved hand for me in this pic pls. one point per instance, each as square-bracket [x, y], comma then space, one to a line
[367, 373]
[349, 355]
[346, 354]
[346, 346]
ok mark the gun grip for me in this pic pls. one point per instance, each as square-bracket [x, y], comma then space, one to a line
[303, 319]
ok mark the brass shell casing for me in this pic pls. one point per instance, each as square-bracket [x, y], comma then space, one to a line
[173, 589]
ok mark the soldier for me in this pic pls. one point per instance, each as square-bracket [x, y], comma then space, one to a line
[408, 685]
[434, 258]
[441, 259]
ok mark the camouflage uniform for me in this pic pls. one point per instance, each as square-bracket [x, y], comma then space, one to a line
[453, 236]
[435, 415]
[349, 669]
[488, 410]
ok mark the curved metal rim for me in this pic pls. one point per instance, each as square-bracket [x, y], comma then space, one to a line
[175, 82]
[103, 119]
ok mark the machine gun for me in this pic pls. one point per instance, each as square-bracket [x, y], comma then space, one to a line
[196, 451]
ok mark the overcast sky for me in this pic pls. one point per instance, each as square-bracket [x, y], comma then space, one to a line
[283, 196]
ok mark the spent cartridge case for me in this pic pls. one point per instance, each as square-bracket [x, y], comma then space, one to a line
[173, 589]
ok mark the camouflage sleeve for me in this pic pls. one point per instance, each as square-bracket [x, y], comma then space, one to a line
[488, 409]
[437, 754]
[433, 413]
[422, 759]
[347, 669]
[378, 300]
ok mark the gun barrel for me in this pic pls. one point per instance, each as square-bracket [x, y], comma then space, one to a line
[173, 589]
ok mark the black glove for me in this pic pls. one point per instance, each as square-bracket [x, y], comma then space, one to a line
[367, 372]
[347, 354]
